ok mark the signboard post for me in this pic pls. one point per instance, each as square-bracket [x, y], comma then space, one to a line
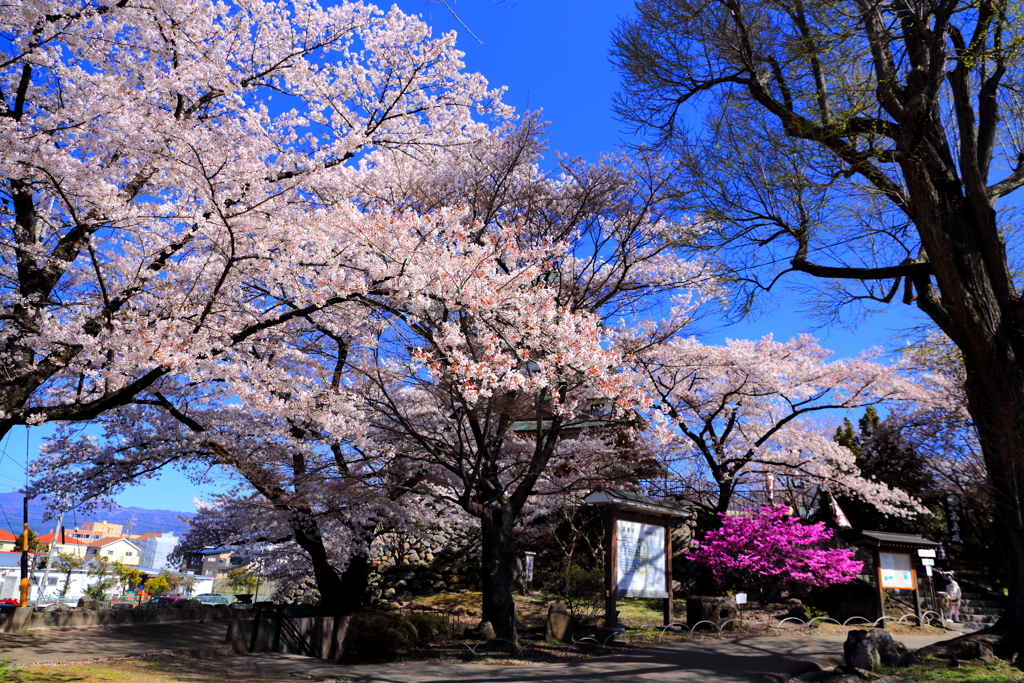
[639, 563]
[638, 548]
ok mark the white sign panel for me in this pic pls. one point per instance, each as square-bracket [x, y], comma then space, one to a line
[641, 560]
[897, 571]
[925, 552]
[529, 567]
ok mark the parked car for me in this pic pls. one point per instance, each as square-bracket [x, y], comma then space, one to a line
[214, 599]
[166, 600]
[10, 601]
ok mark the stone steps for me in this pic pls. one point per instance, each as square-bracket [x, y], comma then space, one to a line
[978, 612]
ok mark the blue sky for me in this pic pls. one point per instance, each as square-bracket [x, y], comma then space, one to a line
[551, 55]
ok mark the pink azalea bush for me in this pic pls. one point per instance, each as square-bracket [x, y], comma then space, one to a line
[769, 551]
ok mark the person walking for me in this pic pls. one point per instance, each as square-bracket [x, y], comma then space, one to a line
[953, 595]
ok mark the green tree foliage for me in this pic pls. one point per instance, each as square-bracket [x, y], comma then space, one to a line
[102, 576]
[158, 585]
[882, 453]
[67, 564]
[34, 546]
[242, 581]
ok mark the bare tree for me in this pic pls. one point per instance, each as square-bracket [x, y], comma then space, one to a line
[864, 144]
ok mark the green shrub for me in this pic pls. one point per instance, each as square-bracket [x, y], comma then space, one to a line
[378, 635]
[430, 628]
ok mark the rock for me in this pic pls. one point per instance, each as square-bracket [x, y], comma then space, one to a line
[869, 649]
[456, 587]
[58, 607]
[122, 605]
[485, 631]
[390, 606]
[610, 634]
[559, 623]
[716, 609]
[191, 603]
[972, 646]
[87, 603]
[388, 593]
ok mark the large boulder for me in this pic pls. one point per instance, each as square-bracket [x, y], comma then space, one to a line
[559, 624]
[716, 609]
[58, 607]
[870, 649]
[87, 603]
[191, 603]
[982, 646]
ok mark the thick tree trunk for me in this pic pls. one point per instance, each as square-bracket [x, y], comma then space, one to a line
[996, 401]
[334, 594]
[498, 567]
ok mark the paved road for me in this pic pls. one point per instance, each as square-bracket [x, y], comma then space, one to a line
[726, 661]
[120, 641]
[739, 660]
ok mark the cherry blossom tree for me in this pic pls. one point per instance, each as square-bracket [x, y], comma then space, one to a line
[728, 415]
[160, 206]
[769, 551]
[499, 383]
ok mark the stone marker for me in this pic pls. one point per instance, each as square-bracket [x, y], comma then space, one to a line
[87, 603]
[485, 631]
[869, 649]
[559, 626]
[717, 609]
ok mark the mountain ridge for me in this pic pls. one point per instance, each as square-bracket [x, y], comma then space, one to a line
[146, 520]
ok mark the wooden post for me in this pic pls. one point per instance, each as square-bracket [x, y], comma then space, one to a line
[611, 567]
[667, 609]
[881, 591]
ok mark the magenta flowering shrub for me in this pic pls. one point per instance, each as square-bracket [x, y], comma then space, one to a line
[768, 551]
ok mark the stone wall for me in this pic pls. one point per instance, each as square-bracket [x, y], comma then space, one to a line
[439, 561]
[438, 546]
[402, 583]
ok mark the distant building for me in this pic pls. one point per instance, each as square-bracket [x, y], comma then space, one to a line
[155, 548]
[65, 544]
[215, 563]
[7, 540]
[115, 550]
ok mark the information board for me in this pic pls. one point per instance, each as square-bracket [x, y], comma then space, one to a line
[641, 560]
[896, 570]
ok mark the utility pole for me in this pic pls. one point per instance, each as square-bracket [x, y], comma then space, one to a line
[24, 557]
[49, 557]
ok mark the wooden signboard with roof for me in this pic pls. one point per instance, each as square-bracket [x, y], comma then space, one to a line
[638, 548]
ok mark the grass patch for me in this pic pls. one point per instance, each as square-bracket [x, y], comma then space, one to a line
[158, 669]
[940, 671]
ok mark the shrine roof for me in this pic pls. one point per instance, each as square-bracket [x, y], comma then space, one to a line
[886, 539]
[634, 502]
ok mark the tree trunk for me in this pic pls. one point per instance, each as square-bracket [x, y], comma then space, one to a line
[498, 568]
[334, 595]
[995, 399]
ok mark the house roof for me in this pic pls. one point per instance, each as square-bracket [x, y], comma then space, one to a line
[634, 502]
[109, 540]
[68, 540]
[12, 559]
[7, 536]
